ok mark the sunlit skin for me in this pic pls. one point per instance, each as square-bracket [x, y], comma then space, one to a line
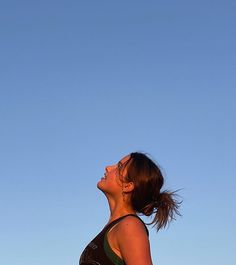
[116, 190]
[128, 239]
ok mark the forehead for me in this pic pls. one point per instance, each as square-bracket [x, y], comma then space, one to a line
[122, 164]
[124, 159]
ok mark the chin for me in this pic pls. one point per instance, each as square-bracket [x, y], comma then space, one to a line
[99, 185]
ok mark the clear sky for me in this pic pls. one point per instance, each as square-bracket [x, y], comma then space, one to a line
[83, 83]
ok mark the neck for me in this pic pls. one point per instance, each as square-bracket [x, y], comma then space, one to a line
[118, 208]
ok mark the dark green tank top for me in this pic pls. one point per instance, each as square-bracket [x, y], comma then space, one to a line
[99, 252]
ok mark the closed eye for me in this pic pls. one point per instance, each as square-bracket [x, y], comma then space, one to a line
[119, 165]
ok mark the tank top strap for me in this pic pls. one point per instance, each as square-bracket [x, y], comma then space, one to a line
[109, 226]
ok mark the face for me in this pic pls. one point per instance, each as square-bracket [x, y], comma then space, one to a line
[113, 178]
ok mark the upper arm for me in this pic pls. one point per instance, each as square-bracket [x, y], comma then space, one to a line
[133, 242]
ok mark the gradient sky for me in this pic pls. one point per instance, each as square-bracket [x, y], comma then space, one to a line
[83, 83]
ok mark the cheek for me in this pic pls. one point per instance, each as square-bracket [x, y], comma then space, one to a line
[119, 181]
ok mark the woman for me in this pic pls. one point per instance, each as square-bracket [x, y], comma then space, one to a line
[132, 187]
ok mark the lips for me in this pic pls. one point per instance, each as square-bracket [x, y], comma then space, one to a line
[104, 177]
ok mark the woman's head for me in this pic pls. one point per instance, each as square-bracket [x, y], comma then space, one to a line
[113, 183]
[146, 196]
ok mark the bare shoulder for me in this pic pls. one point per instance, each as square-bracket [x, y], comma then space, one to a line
[131, 224]
[132, 241]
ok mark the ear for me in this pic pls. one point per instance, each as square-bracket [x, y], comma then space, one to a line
[128, 187]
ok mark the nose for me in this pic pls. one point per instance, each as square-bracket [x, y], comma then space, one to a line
[108, 168]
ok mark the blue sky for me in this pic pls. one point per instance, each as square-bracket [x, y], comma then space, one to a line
[83, 83]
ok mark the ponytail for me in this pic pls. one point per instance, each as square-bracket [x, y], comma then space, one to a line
[164, 209]
[147, 198]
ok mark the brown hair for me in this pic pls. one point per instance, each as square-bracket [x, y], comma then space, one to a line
[147, 197]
